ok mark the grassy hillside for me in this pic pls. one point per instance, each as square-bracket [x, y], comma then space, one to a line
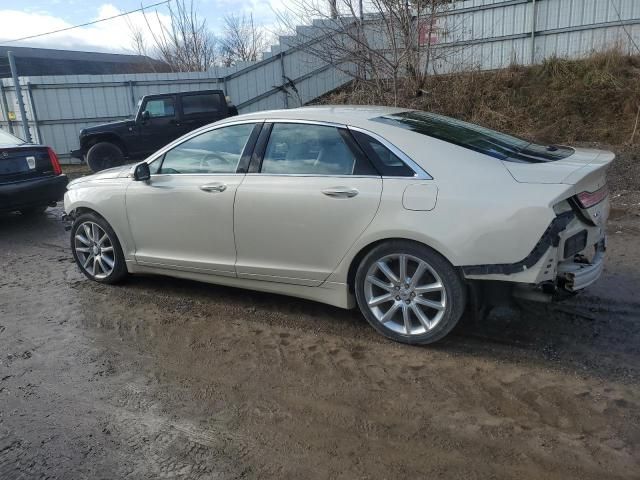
[561, 100]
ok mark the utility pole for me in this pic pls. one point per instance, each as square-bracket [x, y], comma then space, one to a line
[533, 32]
[16, 85]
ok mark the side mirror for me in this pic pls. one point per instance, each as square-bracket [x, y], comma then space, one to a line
[142, 172]
[145, 116]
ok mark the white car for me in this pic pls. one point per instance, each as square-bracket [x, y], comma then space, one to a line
[407, 214]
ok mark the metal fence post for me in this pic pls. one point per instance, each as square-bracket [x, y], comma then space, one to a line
[533, 32]
[132, 93]
[5, 106]
[285, 98]
[16, 85]
[34, 113]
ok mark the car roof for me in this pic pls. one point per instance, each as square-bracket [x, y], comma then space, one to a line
[356, 115]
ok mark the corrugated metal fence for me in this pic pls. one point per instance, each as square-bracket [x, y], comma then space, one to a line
[486, 34]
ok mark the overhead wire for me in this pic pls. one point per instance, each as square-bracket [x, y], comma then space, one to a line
[85, 24]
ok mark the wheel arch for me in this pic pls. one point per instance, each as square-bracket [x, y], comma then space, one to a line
[110, 137]
[120, 229]
[357, 258]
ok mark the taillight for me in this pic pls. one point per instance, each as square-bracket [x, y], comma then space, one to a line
[589, 199]
[54, 161]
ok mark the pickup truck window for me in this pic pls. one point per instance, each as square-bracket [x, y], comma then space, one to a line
[202, 103]
[161, 107]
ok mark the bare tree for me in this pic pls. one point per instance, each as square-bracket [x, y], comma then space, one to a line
[333, 8]
[242, 40]
[377, 44]
[186, 44]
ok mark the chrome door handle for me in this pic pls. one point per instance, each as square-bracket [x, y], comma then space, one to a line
[340, 192]
[213, 187]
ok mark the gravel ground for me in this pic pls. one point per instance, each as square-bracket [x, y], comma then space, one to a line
[165, 378]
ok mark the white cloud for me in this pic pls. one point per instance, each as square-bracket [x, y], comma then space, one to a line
[115, 35]
[109, 36]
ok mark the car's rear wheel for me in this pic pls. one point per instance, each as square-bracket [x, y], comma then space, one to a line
[104, 155]
[409, 293]
[96, 249]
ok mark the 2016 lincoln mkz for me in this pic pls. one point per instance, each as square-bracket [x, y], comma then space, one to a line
[406, 214]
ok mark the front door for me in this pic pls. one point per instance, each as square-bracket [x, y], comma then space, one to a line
[161, 127]
[183, 217]
[312, 198]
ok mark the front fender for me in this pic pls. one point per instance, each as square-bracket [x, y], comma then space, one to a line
[107, 199]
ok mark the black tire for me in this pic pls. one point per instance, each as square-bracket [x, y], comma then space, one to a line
[33, 211]
[454, 289]
[119, 269]
[104, 155]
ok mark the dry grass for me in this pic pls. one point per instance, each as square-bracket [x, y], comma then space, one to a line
[559, 101]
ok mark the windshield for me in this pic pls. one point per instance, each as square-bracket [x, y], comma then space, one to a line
[477, 138]
[7, 139]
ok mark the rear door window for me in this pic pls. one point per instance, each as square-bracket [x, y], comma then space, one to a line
[385, 161]
[203, 103]
[304, 149]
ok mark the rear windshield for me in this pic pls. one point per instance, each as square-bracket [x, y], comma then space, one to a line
[477, 138]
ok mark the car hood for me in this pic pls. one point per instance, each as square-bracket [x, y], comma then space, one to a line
[107, 127]
[115, 172]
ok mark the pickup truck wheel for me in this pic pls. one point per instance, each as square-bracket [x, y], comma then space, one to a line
[104, 155]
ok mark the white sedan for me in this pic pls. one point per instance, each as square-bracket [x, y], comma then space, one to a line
[406, 214]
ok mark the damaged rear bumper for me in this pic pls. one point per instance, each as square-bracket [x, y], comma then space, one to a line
[578, 274]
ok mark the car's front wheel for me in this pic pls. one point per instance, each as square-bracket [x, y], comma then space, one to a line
[409, 293]
[96, 249]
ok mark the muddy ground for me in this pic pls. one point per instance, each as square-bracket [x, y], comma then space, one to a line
[165, 378]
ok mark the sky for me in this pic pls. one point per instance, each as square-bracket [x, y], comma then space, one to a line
[29, 17]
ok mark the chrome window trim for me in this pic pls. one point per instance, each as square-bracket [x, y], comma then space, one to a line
[315, 175]
[197, 174]
[306, 122]
[419, 172]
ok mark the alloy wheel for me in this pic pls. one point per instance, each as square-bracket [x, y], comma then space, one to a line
[94, 250]
[405, 294]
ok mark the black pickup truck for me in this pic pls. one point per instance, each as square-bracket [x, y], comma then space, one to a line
[159, 120]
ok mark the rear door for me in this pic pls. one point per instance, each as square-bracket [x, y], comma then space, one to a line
[307, 201]
[202, 108]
